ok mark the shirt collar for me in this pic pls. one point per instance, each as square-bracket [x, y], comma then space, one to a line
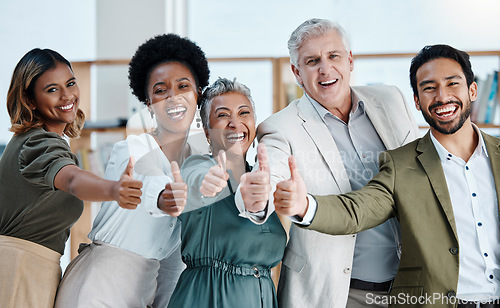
[444, 155]
[322, 111]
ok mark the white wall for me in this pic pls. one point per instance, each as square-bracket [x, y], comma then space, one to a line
[122, 25]
[262, 27]
[90, 29]
[238, 28]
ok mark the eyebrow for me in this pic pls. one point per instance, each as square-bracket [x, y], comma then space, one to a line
[55, 84]
[424, 82]
[177, 80]
[221, 108]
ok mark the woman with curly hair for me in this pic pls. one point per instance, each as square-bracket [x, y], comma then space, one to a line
[41, 185]
[130, 249]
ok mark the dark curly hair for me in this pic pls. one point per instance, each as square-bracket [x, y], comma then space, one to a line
[161, 49]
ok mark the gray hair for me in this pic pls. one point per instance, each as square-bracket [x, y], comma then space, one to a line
[219, 87]
[312, 28]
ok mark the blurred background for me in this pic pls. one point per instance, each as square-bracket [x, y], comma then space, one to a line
[242, 39]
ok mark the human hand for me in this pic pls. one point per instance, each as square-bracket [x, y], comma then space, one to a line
[255, 186]
[127, 191]
[290, 196]
[173, 198]
[216, 178]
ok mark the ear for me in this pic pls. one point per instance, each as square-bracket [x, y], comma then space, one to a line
[417, 102]
[473, 91]
[31, 105]
[296, 72]
[351, 61]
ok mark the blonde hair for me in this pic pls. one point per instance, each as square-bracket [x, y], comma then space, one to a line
[27, 71]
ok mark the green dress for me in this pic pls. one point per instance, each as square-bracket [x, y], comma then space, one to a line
[228, 258]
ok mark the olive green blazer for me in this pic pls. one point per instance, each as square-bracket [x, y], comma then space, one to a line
[411, 186]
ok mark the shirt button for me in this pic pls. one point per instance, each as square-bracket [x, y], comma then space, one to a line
[485, 254]
[466, 167]
[347, 270]
[491, 276]
[473, 194]
[160, 249]
[453, 250]
[480, 224]
[171, 225]
[449, 155]
[451, 294]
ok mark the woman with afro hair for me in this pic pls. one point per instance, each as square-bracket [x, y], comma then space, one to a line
[134, 258]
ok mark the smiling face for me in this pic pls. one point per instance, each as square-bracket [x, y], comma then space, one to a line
[324, 69]
[443, 95]
[172, 95]
[56, 97]
[231, 124]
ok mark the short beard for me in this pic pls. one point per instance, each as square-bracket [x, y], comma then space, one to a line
[463, 117]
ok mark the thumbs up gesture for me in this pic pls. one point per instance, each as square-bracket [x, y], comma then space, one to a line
[216, 178]
[255, 186]
[290, 196]
[127, 191]
[173, 198]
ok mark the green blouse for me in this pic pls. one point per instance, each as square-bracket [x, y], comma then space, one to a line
[31, 208]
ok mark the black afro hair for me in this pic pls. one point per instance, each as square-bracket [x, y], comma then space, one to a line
[165, 48]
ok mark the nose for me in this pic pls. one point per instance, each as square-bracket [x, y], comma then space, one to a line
[442, 94]
[234, 122]
[66, 94]
[324, 67]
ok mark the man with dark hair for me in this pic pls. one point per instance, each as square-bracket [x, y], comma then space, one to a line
[440, 187]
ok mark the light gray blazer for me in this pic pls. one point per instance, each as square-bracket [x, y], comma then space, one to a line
[316, 268]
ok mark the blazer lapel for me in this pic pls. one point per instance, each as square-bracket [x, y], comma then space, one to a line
[431, 163]
[493, 147]
[379, 119]
[319, 133]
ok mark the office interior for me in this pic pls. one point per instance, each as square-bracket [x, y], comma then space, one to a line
[246, 40]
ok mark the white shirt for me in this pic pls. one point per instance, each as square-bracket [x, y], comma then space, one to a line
[475, 207]
[147, 230]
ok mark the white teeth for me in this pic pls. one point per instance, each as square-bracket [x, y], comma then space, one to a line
[328, 83]
[445, 109]
[176, 110]
[66, 107]
[235, 137]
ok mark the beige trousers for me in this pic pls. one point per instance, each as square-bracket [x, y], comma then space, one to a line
[30, 274]
[106, 276]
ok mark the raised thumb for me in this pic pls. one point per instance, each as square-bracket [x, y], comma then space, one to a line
[176, 172]
[129, 170]
[294, 171]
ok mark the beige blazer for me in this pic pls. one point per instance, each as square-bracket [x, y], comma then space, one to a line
[316, 267]
[411, 186]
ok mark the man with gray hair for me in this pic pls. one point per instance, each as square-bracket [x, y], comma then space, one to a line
[335, 132]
